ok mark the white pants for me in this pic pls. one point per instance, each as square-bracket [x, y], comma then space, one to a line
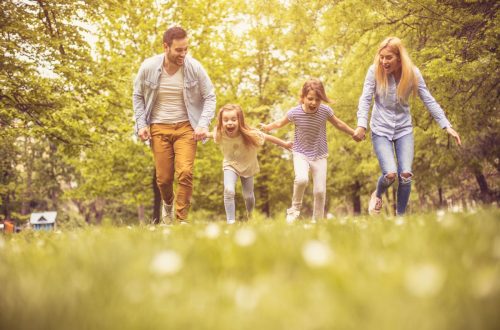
[301, 166]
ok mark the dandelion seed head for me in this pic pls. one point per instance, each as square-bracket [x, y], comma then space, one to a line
[424, 280]
[212, 231]
[245, 237]
[316, 253]
[166, 262]
[246, 297]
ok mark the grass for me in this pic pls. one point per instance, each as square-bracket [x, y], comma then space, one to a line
[432, 271]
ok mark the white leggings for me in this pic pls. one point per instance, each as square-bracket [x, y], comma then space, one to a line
[301, 167]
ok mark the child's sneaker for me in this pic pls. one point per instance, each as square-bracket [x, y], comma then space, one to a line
[375, 204]
[292, 215]
[167, 214]
[231, 222]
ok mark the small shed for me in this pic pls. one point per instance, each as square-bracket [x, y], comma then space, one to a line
[43, 220]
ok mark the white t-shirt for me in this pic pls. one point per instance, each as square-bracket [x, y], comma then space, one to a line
[169, 106]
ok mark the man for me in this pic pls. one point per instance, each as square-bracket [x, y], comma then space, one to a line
[174, 102]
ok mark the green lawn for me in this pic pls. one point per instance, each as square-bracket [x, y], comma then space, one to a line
[433, 271]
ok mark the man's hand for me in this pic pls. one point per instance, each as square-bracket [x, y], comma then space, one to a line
[200, 133]
[359, 134]
[144, 133]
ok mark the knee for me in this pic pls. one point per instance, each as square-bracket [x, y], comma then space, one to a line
[301, 181]
[405, 177]
[389, 178]
[319, 193]
[229, 192]
[164, 180]
[185, 175]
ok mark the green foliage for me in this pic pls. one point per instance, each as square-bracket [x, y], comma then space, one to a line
[66, 84]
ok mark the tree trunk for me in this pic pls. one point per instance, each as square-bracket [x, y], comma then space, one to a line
[356, 197]
[441, 200]
[156, 200]
[140, 214]
[483, 186]
[27, 194]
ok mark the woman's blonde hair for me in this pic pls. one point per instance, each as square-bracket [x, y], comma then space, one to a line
[408, 82]
[250, 138]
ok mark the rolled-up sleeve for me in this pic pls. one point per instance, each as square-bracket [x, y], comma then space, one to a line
[138, 101]
[366, 98]
[209, 100]
[430, 103]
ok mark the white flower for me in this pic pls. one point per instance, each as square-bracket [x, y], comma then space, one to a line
[167, 262]
[440, 214]
[245, 237]
[399, 221]
[316, 253]
[424, 280]
[246, 297]
[212, 231]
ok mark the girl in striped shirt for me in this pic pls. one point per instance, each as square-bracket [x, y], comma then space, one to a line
[310, 149]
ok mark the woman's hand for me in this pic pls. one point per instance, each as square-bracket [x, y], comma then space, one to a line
[453, 133]
[289, 145]
[359, 134]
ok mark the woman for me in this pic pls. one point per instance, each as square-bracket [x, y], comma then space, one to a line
[391, 79]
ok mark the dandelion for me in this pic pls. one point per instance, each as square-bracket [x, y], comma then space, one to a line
[424, 280]
[212, 231]
[440, 215]
[245, 237]
[399, 221]
[316, 253]
[246, 297]
[167, 262]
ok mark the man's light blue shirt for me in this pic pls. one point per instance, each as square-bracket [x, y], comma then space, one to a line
[390, 118]
[199, 94]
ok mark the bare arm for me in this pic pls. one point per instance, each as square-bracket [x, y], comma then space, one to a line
[340, 125]
[276, 124]
[279, 142]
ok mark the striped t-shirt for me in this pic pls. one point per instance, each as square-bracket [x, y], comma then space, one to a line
[310, 131]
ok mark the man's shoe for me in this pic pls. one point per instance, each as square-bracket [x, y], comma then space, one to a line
[375, 204]
[167, 214]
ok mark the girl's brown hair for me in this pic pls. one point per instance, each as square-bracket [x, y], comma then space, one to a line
[408, 83]
[250, 138]
[315, 85]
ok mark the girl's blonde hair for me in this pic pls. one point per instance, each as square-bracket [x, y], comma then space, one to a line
[315, 85]
[408, 82]
[250, 138]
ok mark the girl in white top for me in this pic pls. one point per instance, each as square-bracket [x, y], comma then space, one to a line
[239, 145]
[310, 148]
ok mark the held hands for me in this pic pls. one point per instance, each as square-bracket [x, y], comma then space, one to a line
[453, 133]
[200, 133]
[264, 127]
[288, 145]
[144, 134]
[359, 134]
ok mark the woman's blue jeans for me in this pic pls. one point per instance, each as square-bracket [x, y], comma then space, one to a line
[403, 150]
